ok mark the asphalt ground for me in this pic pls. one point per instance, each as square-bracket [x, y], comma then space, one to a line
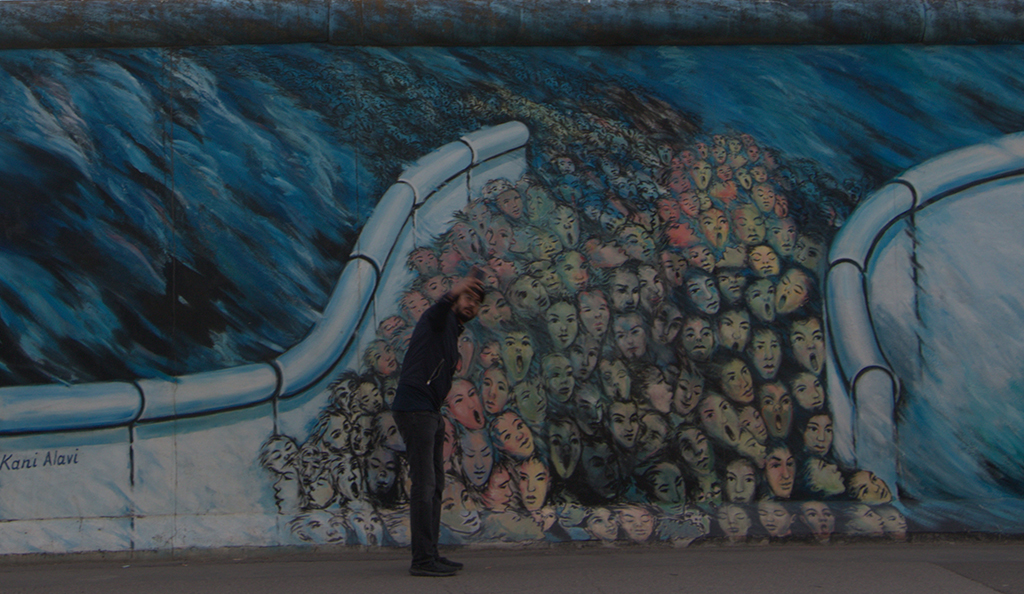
[876, 568]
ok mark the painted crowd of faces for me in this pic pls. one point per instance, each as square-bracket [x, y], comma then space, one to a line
[647, 364]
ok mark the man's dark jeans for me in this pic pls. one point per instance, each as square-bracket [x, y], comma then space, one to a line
[423, 433]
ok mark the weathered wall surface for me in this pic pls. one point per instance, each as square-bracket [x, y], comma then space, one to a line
[732, 295]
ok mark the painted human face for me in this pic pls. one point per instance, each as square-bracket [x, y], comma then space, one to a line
[748, 224]
[504, 268]
[590, 408]
[793, 291]
[731, 284]
[594, 313]
[862, 520]
[782, 236]
[528, 295]
[562, 324]
[490, 354]
[467, 350]
[818, 435]
[766, 354]
[615, 379]
[495, 390]
[517, 355]
[566, 227]
[538, 204]
[702, 292]
[477, 457]
[500, 237]
[667, 483]
[558, 377]
[466, 241]
[809, 253]
[744, 178]
[808, 342]
[381, 358]
[367, 398]
[776, 408]
[494, 310]
[533, 484]
[652, 435]
[630, 335]
[652, 290]
[637, 243]
[775, 518]
[600, 469]
[760, 297]
[737, 384]
[807, 390]
[565, 165]
[764, 196]
[658, 392]
[673, 266]
[698, 339]
[740, 481]
[458, 510]
[734, 329]
[667, 324]
[584, 355]
[780, 472]
[715, 227]
[764, 261]
[636, 522]
[824, 477]
[602, 525]
[624, 423]
[688, 391]
[749, 447]
[510, 203]
[532, 401]
[414, 304]
[733, 521]
[546, 245]
[669, 210]
[624, 291]
[565, 446]
[388, 433]
[866, 487]
[893, 521]
[700, 257]
[719, 419]
[819, 519]
[701, 174]
[548, 276]
[513, 436]
[336, 433]
[499, 489]
[751, 420]
[572, 272]
[465, 406]
[423, 261]
[696, 452]
[381, 470]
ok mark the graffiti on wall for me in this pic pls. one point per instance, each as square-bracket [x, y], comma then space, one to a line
[649, 363]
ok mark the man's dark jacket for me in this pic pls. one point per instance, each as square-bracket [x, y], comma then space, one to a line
[431, 359]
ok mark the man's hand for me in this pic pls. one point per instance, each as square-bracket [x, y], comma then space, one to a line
[465, 284]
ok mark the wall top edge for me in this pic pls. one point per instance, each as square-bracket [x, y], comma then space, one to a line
[36, 24]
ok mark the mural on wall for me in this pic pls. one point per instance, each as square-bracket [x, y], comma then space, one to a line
[649, 363]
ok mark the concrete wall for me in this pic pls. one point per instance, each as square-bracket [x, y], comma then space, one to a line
[751, 292]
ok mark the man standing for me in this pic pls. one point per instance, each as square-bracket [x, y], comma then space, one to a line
[425, 381]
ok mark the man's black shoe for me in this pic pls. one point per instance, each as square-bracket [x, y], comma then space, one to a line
[446, 562]
[433, 569]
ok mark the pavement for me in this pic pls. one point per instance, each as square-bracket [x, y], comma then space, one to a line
[876, 568]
